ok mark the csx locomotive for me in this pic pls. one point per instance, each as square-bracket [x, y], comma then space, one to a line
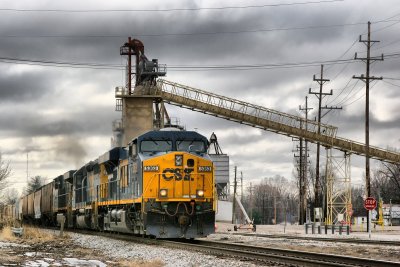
[160, 185]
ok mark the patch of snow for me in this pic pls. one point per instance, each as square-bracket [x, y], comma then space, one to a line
[9, 244]
[78, 262]
[37, 263]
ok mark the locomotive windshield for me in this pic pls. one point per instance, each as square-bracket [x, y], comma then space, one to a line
[155, 146]
[190, 145]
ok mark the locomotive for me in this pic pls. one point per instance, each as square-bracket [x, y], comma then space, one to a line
[160, 185]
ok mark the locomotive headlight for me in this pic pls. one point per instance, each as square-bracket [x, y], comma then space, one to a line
[163, 192]
[200, 193]
[178, 160]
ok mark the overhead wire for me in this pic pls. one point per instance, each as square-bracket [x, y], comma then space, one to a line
[341, 91]
[309, 27]
[345, 105]
[183, 67]
[347, 97]
[390, 55]
[390, 78]
[182, 33]
[391, 83]
[167, 9]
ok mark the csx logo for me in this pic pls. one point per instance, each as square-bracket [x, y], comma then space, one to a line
[171, 173]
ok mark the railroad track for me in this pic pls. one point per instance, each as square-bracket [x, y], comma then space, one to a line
[322, 239]
[258, 255]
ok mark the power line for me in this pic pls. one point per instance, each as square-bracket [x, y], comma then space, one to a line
[166, 10]
[388, 78]
[347, 97]
[341, 91]
[59, 63]
[183, 33]
[372, 86]
[391, 83]
[183, 67]
[309, 27]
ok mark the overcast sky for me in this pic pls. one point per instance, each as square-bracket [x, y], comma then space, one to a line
[60, 115]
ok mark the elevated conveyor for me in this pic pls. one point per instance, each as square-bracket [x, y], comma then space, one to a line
[260, 117]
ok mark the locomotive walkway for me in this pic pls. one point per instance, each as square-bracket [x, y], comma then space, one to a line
[259, 117]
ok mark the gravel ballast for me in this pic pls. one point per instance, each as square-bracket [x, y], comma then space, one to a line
[171, 257]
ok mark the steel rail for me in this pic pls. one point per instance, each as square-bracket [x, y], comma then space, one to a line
[323, 239]
[302, 257]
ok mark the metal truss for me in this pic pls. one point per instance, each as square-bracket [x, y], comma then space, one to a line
[338, 184]
[258, 116]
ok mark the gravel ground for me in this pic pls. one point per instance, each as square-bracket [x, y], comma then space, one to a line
[171, 257]
[86, 250]
[379, 252]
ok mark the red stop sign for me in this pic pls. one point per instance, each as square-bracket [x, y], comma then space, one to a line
[370, 203]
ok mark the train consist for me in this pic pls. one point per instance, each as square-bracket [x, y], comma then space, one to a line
[160, 185]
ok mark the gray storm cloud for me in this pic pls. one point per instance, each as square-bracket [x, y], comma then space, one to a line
[70, 149]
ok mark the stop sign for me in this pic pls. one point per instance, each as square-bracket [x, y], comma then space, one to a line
[370, 203]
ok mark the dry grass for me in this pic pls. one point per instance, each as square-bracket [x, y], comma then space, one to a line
[31, 234]
[137, 263]
[35, 234]
[6, 258]
[7, 234]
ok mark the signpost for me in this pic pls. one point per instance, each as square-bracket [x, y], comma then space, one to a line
[369, 204]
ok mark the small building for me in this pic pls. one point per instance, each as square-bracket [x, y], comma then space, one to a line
[391, 214]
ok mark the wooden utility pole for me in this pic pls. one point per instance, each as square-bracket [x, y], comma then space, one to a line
[317, 187]
[321, 81]
[275, 208]
[303, 169]
[367, 78]
[241, 186]
[251, 201]
[234, 198]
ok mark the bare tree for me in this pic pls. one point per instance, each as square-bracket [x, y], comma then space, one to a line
[386, 182]
[34, 184]
[11, 196]
[357, 199]
[5, 172]
[272, 198]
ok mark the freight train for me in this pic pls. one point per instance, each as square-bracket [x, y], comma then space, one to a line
[160, 185]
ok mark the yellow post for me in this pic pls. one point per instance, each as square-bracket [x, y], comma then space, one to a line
[380, 210]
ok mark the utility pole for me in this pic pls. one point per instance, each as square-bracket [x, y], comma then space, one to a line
[321, 81]
[302, 182]
[303, 169]
[234, 196]
[300, 160]
[275, 208]
[241, 186]
[317, 187]
[367, 78]
[27, 168]
[251, 201]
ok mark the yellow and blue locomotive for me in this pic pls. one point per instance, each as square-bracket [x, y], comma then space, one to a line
[160, 185]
